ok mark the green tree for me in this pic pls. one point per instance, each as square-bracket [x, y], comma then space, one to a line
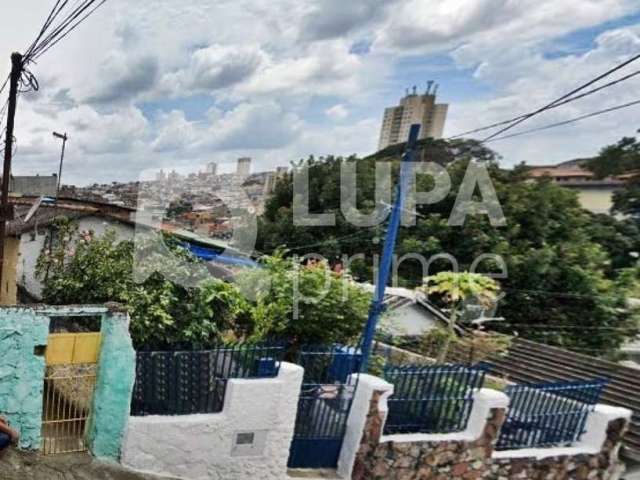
[456, 290]
[560, 263]
[299, 303]
[305, 304]
[84, 268]
[627, 200]
[616, 159]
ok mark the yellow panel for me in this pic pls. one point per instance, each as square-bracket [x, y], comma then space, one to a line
[86, 348]
[72, 348]
[60, 348]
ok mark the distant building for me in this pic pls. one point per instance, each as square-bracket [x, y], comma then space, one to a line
[595, 195]
[212, 168]
[413, 108]
[40, 185]
[243, 167]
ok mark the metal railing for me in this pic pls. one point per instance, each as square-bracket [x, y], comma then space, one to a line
[325, 400]
[188, 382]
[431, 399]
[548, 414]
[67, 398]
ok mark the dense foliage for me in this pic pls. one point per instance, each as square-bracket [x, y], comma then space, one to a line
[621, 158]
[84, 268]
[560, 286]
[457, 289]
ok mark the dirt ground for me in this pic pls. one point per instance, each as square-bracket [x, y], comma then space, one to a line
[16, 465]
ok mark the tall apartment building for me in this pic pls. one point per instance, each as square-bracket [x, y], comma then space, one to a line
[413, 108]
[243, 167]
[212, 168]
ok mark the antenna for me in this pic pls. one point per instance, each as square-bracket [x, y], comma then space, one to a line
[429, 84]
[435, 89]
[415, 89]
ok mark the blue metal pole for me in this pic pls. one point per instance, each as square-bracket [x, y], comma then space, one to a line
[377, 304]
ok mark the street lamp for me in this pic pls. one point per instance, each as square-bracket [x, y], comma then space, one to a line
[64, 138]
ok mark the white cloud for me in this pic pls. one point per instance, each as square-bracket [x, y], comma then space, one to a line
[125, 85]
[419, 26]
[123, 78]
[337, 112]
[253, 126]
[539, 81]
[213, 68]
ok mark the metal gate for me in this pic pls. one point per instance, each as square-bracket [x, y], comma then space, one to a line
[69, 383]
[324, 405]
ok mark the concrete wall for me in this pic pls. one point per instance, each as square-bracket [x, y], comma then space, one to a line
[470, 454]
[112, 397]
[203, 447]
[34, 185]
[22, 372]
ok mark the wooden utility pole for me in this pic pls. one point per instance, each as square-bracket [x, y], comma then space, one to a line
[6, 212]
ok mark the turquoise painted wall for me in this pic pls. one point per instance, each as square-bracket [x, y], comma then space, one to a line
[112, 398]
[22, 372]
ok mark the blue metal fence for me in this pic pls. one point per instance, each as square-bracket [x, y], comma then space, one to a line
[548, 414]
[431, 399]
[324, 405]
[187, 382]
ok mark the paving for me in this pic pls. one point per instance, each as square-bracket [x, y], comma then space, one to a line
[17, 465]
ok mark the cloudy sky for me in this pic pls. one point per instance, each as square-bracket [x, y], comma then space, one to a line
[165, 83]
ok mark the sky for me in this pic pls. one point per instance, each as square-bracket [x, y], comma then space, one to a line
[176, 84]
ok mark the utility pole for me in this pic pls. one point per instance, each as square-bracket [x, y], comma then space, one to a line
[377, 304]
[64, 139]
[6, 212]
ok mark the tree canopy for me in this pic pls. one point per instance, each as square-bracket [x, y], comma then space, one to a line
[560, 283]
[299, 303]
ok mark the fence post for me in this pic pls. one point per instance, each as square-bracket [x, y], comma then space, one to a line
[114, 385]
[371, 392]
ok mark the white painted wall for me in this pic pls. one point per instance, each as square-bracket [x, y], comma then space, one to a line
[410, 319]
[367, 384]
[31, 244]
[199, 447]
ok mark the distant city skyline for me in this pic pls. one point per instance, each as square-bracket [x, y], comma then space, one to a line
[308, 77]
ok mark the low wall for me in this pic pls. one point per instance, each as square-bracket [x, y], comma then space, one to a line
[470, 454]
[22, 367]
[249, 439]
[114, 384]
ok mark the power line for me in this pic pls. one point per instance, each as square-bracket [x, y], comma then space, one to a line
[564, 97]
[46, 25]
[564, 102]
[565, 122]
[81, 10]
[60, 32]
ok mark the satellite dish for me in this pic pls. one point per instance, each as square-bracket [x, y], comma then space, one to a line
[34, 208]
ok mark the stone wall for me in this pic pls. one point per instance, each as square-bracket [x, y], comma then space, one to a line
[261, 412]
[471, 455]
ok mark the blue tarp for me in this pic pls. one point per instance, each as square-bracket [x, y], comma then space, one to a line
[209, 254]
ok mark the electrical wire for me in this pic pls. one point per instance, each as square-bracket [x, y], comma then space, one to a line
[565, 122]
[54, 12]
[564, 102]
[65, 27]
[563, 97]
